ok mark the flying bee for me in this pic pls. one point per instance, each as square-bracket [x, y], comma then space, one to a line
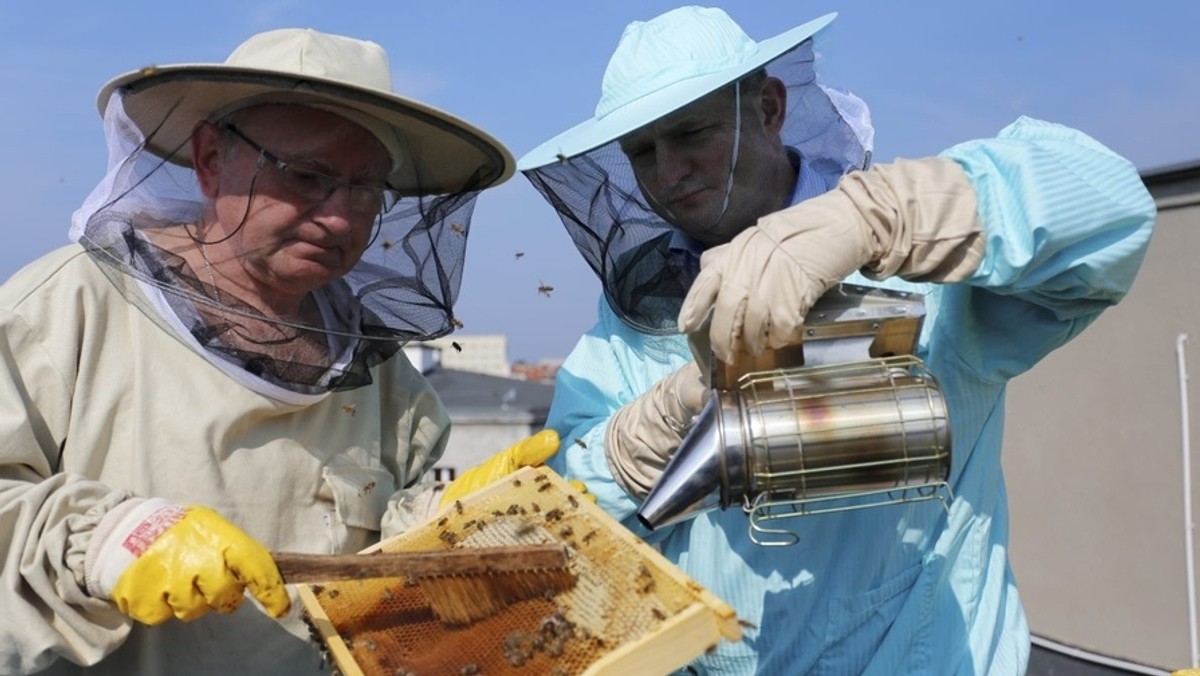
[367, 488]
[581, 443]
[456, 346]
[387, 244]
[457, 322]
[458, 228]
[562, 158]
[520, 254]
[545, 289]
[350, 409]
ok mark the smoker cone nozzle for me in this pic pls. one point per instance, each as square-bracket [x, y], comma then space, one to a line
[691, 483]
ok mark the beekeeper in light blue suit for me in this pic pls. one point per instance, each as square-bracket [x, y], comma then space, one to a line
[693, 198]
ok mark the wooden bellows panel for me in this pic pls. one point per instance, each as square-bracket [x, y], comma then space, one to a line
[630, 611]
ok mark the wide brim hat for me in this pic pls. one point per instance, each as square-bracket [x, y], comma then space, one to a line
[662, 65]
[433, 152]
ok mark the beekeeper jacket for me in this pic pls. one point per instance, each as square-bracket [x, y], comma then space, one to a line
[98, 403]
[907, 589]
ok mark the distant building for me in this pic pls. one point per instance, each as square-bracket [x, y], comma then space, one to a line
[477, 353]
[541, 372]
[488, 413]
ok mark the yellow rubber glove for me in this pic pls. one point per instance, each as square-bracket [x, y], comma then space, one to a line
[528, 452]
[201, 562]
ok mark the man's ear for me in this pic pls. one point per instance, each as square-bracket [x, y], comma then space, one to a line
[774, 104]
[206, 157]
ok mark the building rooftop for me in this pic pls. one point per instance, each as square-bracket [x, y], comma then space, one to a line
[476, 396]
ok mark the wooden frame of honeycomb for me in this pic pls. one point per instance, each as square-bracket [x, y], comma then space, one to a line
[630, 611]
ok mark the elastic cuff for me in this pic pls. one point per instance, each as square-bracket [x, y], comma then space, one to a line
[121, 537]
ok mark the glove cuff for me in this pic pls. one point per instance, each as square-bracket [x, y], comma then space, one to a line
[122, 536]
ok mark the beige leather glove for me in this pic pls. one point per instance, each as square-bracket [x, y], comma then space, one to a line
[162, 560]
[913, 218]
[643, 434]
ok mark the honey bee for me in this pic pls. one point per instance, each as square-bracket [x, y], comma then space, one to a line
[545, 289]
[367, 488]
[456, 346]
[519, 254]
[350, 409]
[458, 506]
[562, 158]
[581, 443]
[458, 229]
[387, 244]
[457, 322]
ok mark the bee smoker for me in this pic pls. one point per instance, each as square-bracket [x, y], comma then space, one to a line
[847, 420]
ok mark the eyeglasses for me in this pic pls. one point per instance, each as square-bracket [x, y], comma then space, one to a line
[315, 187]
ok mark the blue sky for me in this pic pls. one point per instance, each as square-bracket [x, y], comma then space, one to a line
[934, 73]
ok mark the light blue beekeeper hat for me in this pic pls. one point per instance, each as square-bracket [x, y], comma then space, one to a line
[662, 65]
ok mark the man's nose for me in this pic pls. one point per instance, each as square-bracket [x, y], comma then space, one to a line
[336, 212]
[671, 164]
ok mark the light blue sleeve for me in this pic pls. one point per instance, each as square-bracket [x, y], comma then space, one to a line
[609, 367]
[1067, 223]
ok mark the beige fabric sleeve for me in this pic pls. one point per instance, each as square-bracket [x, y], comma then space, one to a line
[642, 435]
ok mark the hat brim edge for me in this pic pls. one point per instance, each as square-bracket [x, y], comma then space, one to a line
[334, 91]
[596, 132]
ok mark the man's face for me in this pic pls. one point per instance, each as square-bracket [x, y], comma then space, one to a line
[683, 161]
[292, 240]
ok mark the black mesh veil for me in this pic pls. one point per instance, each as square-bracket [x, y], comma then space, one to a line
[403, 288]
[644, 264]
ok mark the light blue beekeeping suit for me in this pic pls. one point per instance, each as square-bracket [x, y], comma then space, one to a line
[906, 589]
